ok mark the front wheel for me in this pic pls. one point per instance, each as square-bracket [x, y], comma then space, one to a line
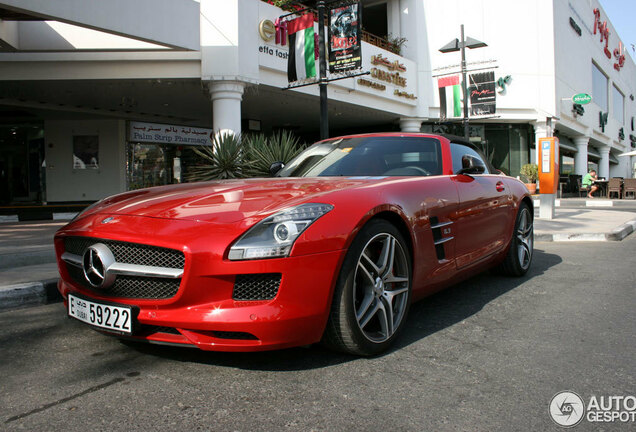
[373, 293]
[519, 257]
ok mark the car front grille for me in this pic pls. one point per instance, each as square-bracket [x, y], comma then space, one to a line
[125, 286]
[256, 286]
[129, 253]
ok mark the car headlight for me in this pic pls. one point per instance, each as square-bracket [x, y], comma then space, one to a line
[273, 237]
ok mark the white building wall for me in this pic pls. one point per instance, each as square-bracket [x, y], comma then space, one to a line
[520, 40]
[64, 183]
[575, 57]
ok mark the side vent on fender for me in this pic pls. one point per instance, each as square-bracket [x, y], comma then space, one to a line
[441, 234]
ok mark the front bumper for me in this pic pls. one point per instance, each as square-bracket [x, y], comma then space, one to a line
[203, 313]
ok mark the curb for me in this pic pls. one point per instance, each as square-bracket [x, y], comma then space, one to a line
[617, 234]
[29, 294]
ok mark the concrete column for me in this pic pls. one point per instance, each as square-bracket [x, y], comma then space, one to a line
[603, 165]
[540, 131]
[411, 124]
[226, 105]
[580, 159]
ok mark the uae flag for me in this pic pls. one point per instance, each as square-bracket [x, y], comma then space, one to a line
[450, 97]
[301, 63]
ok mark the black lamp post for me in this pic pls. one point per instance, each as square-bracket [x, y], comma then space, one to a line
[322, 67]
[461, 45]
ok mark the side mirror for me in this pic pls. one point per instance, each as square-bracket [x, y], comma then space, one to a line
[275, 167]
[472, 165]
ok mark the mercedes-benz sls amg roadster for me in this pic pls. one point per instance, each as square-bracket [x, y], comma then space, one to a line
[333, 248]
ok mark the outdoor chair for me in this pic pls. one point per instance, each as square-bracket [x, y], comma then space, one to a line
[574, 182]
[629, 187]
[615, 186]
[582, 189]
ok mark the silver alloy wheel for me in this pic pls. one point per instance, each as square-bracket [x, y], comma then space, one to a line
[525, 238]
[380, 287]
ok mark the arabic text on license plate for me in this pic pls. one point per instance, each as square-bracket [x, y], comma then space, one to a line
[110, 317]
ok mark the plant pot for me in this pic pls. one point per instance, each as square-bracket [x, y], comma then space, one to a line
[532, 187]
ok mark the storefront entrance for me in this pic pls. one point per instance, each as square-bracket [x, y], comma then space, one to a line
[21, 164]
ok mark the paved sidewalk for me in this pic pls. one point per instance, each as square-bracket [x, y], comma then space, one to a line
[28, 272]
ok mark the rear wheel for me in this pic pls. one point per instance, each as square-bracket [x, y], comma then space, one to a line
[373, 292]
[519, 257]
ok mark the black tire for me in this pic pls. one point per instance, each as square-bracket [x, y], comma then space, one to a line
[366, 317]
[521, 249]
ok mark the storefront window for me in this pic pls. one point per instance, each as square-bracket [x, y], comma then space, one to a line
[592, 165]
[599, 87]
[618, 102]
[506, 146]
[146, 166]
[567, 164]
[158, 164]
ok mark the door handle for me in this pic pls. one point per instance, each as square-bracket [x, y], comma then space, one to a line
[500, 186]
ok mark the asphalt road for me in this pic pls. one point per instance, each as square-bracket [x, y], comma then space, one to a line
[485, 355]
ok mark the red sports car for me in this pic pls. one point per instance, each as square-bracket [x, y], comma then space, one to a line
[334, 248]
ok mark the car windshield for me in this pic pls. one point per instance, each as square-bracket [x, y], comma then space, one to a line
[368, 156]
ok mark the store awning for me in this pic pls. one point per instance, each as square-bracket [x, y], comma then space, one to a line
[593, 153]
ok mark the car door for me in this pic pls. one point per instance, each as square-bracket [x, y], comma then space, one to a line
[483, 213]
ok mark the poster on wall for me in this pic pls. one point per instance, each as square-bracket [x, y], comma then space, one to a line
[345, 51]
[85, 151]
[482, 93]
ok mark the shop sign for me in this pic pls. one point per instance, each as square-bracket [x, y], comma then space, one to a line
[372, 84]
[273, 31]
[603, 29]
[388, 76]
[582, 98]
[169, 134]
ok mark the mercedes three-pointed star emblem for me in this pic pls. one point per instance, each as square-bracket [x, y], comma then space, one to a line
[96, 262]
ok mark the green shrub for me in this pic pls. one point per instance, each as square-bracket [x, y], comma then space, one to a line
[224, 159]
[264, 151]
[234, 156]
[529, 173]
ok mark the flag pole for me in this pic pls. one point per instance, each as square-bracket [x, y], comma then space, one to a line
[324, 113]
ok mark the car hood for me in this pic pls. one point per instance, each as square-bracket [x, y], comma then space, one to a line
[224, 201]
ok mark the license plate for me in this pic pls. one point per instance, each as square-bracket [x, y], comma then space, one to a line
[117, 318]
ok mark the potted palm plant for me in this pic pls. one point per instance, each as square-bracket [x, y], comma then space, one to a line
[529, 175]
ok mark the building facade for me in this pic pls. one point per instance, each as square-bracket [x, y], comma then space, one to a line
[100, 97]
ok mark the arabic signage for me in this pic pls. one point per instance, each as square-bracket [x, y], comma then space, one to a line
[384, 70]
[582, 98]
[392, 75]
[603, 29]
[482, 93]
[169, 134]
[344, 38]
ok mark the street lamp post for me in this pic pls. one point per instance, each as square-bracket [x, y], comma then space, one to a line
[322, 67]
[461, 45]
